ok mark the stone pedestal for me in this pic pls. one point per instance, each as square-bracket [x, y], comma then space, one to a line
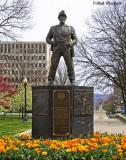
[62, 110]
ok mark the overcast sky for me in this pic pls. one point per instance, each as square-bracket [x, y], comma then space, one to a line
[45, 15]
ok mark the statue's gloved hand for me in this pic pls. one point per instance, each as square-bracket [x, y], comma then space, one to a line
[52, 43]
[70, 44]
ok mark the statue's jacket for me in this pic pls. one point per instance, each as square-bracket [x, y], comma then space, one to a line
[61, 35]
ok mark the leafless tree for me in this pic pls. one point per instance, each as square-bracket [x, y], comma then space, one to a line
[101, 55]
[15, 15]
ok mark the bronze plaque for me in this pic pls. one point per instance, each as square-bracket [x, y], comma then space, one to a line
[61, 112]
[40, 102]
[83, 103]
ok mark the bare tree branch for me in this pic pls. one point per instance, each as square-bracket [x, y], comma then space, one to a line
[61, 75]
[15, 15]
[102, 53]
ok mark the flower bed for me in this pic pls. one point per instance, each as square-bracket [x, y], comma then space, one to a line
[96, 147]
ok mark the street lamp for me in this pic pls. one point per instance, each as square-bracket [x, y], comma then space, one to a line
[25, 117]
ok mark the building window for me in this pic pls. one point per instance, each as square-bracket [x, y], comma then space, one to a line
[28, 58]
[32, 65]
[40, 57]
[28, 46]
[1, 48]
[36, 65]
[36, 58]
[20, 57]
[8, 48]
[20, 45]
[40, 48]
[17, 45]
[12, 71]
[21, 50]
[32, 45]
[5, 48]
[25, 50]
[43, 57]
[43, 64]
[16, 57]
[32, 58]
[5, 79]
[40, 65]
[31, 50]
[44, 48]
[36, 45]
[5, 57]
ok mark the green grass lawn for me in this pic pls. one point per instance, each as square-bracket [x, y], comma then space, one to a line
[13, 125]
[122, 116]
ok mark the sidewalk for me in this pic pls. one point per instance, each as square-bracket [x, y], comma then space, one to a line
[102, 124]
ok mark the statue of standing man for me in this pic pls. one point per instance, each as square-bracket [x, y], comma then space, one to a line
[62, 38]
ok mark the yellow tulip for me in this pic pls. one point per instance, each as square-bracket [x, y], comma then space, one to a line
[44, 153]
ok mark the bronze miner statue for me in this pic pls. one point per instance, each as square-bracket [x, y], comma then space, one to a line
[62, 38]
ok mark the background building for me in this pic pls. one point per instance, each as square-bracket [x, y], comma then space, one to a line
[30, 59]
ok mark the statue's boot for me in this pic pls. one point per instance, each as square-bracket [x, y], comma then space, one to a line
[72, 82]
[50, 83]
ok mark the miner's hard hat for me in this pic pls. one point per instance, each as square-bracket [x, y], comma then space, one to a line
[62, 13]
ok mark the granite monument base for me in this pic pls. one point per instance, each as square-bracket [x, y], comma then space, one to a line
[62, 111]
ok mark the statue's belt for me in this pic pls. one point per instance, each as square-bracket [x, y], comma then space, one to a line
[60, 44]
